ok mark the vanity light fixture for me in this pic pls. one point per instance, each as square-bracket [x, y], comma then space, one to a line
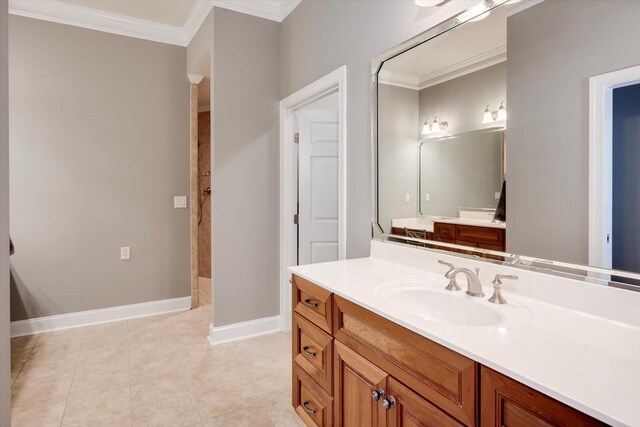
[487, 117]
[475, 14]
[436, 126]
[428, 3]
[500, 115]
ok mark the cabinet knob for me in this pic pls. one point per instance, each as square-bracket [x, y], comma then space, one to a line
[377, 394]
[389, 403]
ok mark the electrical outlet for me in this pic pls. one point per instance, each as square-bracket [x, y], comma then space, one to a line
[407, 197]
[180, 202]
[125, 253]
[427, 197]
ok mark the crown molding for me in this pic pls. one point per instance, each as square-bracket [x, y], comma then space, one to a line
[399, 80]
[93, 19]
[84, 17]
[197, 16]
[514, 8]
[468, 66]
[453, 71]
[261, 8]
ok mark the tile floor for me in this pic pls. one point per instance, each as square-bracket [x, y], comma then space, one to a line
[154, 371]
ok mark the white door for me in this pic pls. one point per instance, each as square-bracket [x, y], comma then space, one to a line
[318, 187]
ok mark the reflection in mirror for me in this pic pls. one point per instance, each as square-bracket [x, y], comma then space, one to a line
[542, 94]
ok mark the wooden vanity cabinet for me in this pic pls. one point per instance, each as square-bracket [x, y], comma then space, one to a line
[343, 353]
[470, 235]
[508, 403]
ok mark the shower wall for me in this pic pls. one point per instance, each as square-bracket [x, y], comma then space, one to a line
[204, 168]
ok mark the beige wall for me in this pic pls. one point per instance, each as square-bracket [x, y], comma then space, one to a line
[245, 167]
[5, 358]
[99, 147]
[550, 62]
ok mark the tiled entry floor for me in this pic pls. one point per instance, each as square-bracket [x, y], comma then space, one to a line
[155, 371]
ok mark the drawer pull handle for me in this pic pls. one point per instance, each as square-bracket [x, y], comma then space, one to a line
[389, 403]
[305, 406]
[308, 303]
[306, 351]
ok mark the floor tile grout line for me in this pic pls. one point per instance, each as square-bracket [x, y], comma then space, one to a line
[129, 369]
[72, 378]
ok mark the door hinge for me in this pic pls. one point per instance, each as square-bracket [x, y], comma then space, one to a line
[295, 219]
[296, 138]
[608, 238]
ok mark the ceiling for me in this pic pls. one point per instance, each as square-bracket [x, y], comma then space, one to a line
[169, 12]
[166, 21]
[468, 48]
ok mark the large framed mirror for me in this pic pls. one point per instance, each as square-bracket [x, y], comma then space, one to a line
[511, 132]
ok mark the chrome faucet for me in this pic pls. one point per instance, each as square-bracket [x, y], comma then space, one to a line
[497, 297]
[453, 283]
[474, 286]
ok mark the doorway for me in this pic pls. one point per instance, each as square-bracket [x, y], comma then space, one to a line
[625, 251]
[603, 181]
[200, 191]
[313, 177]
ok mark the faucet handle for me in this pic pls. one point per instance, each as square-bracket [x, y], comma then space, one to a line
[448, 264]
[453, 283]
[497, 281]
[497, 297]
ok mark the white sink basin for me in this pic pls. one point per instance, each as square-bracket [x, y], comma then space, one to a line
[430, 301]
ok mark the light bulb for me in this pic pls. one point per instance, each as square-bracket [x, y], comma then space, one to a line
[475, 13]
[427, 3]
[487, 116]
[426, 129]
[502, 113]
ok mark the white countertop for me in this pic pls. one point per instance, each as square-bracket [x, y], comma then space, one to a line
[472, 221]
[426, 223]
[581, 344]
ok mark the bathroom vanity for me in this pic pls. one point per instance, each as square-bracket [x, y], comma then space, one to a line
[380, 342]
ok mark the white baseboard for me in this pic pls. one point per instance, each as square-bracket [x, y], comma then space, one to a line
[94, 317]
[243, 330]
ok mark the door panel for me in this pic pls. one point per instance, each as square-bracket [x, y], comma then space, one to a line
[318, 186]
[412, 410]
[355, 380]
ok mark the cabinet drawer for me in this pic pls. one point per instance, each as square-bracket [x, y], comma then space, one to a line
[438, 374]
[313, 303]
[444, 231]
[508, 403]
[488, 235]
[313, 351]
[312, 404]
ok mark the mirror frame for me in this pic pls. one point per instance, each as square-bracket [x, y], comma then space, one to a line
[591, 274]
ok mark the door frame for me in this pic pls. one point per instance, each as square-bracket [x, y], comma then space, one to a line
[337, 79]
[601, 161]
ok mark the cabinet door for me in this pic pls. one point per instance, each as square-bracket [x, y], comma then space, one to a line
[508, 403]
[355, 380]
[411, 410]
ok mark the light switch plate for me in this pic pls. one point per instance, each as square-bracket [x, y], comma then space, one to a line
[125, 253]
[407, 197]
[180, 202]
[497, 195]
